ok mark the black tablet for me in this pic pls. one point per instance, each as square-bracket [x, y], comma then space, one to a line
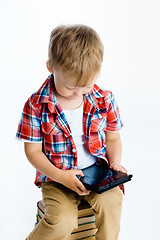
[99, 179]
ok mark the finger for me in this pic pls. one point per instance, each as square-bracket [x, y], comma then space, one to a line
[78, 172]
[122, 169]
[82, 193]
[115, 167]
[81, 174]
[82, 187]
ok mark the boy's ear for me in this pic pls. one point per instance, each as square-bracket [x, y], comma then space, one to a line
[48, 67]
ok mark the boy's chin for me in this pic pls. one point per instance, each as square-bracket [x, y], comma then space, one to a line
[74, 97]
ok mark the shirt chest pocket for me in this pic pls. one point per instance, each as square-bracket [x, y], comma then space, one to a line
[54, 138]
[98, 124]
[97, 133]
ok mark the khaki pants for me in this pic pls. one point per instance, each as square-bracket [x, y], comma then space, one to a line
[61, 213]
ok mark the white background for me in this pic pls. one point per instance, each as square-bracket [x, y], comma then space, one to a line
[131, 37]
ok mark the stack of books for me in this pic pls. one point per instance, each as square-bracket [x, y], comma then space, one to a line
[86, 221]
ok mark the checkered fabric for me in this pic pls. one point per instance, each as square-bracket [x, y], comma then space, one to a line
[43, 120]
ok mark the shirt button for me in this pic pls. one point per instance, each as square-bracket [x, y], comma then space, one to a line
[73, 150]
[75, 167]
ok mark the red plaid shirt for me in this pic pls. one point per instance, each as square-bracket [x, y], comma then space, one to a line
[43, 120]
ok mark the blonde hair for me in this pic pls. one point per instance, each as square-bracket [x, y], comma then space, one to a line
[76, 49]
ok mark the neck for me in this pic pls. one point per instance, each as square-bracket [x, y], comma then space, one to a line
[69, 103]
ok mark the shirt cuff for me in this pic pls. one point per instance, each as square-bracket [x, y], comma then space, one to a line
[24, 140]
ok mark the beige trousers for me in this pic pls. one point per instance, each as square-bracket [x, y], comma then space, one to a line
[62, 210]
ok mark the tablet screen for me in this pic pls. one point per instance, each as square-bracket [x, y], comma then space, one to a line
[112, 176]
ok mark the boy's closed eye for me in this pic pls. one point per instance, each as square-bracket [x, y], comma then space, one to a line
[72, 88]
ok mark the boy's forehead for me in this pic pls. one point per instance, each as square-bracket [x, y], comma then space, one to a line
[70, 81]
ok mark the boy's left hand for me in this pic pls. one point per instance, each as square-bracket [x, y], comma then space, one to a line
[117, 167]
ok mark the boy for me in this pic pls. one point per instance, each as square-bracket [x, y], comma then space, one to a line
[67, 125]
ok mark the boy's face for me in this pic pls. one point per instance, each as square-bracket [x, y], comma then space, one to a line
[66, 89]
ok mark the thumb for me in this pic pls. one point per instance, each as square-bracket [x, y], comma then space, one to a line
[80, 173]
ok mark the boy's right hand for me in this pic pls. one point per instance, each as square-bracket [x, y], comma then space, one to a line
[69, 179]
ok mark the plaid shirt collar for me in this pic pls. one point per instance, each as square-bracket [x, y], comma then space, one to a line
[46, 95]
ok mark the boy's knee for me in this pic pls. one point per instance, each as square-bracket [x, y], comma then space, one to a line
[109, 199]
[62, 221]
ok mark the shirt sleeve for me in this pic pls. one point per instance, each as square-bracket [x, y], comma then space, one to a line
[30, 125]
[114, 122]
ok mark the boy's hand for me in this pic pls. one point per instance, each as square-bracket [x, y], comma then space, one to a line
[117, 167]
[69, 179]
